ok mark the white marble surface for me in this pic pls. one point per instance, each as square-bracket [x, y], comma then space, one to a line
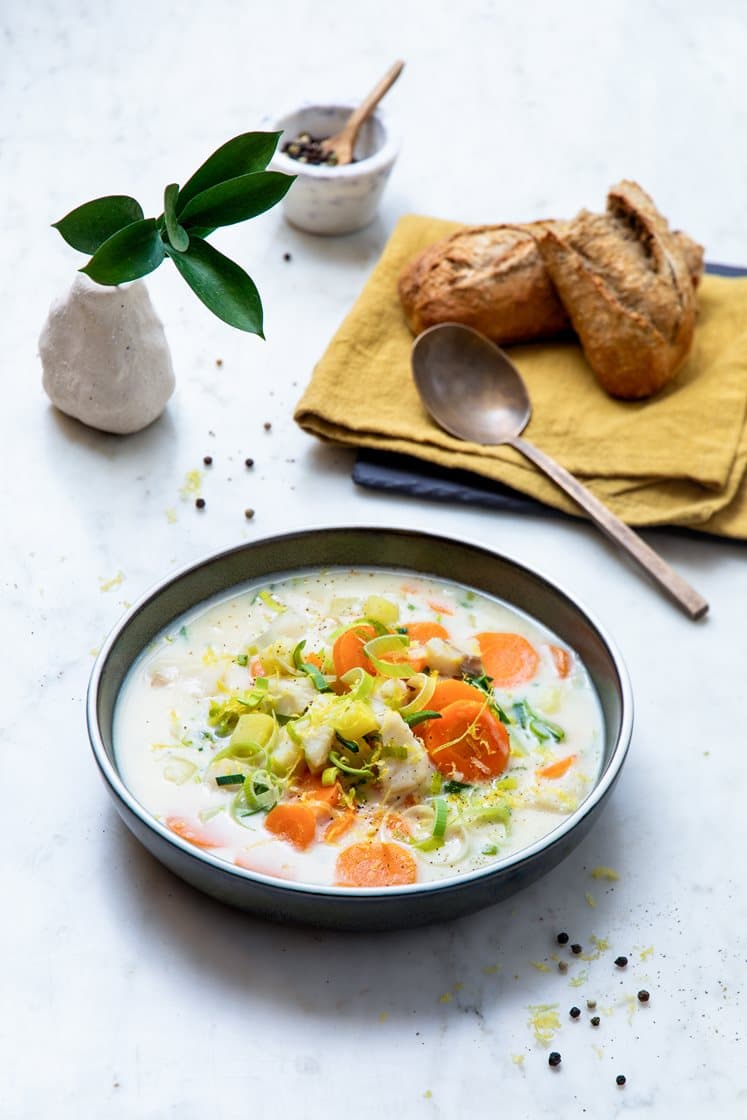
[124, 992]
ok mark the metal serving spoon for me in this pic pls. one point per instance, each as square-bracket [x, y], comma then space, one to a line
[343, 142]
[473, 390]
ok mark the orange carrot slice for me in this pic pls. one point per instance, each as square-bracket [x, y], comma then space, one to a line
[440, 608]
[508, 658]
[556, 769]
[311, 789]
[448, 690]
[468, 741]
[347, 652]
[561, 660]
[422, 632]
[397, 826]
[339, 826]
[375, 864]
[292, 821]
[192, 833]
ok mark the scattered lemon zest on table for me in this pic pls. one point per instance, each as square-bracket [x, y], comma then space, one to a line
[110, 584]
[95, 651]
[580, 980]
[491, 969]
[646, 953]
[384, 1015]
[458, 987]
[598, 1050]
[446, 997]
[605, 873]
[540, 966]
[427, 1094]
[590, 900]
[171, 516]
[544, 1021]
[517, 1059]
[631, 1005]
[192, 485]
[600, 943]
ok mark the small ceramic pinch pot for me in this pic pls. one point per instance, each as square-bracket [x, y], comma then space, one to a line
[333, 199]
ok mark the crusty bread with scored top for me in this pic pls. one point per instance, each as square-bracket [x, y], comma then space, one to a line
[624, 281]
[491, 278]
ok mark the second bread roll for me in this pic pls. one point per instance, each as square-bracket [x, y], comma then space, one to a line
[625, 281]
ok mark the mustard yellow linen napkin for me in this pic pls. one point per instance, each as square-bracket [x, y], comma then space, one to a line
[679, 458]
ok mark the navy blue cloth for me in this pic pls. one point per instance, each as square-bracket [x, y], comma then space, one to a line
[403, 474]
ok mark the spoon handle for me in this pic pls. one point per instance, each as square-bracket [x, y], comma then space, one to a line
[367, 106]
[673, 584]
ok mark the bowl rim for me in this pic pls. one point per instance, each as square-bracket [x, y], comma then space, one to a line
[383, 157]
[332, 892]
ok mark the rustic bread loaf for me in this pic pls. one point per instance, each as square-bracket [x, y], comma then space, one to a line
[491, 278]
[624, 281]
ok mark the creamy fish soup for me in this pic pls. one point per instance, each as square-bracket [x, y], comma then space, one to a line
[358, 728]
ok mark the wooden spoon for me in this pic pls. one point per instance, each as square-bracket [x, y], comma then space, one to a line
[342, 143]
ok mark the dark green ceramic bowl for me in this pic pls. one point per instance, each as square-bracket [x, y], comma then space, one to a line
[424, 553]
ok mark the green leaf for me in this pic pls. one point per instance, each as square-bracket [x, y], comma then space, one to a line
[127, 255]
[176, 234]
[90, 225]
[237, 199]
[222, 286]
[251, 151]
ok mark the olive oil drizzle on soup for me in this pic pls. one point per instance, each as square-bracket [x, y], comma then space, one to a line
[358, 728]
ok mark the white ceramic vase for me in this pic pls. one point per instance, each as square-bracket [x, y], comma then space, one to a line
[105, 357]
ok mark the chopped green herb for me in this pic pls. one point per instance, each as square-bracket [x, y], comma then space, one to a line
[310, 670]
[455, 787]
[542, 729]
[419, 717]
[521, 713]
[393, 750]
[229, 779]
[490, 850]
[271, 602]
[242, 659]
[485, 684]
[354, 772]
[442, 814]
[349, 744]
[436, 838]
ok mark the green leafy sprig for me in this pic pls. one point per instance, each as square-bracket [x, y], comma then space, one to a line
[231, 186]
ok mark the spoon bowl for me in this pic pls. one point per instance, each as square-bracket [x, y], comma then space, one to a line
[470, 387]
[473, 391]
